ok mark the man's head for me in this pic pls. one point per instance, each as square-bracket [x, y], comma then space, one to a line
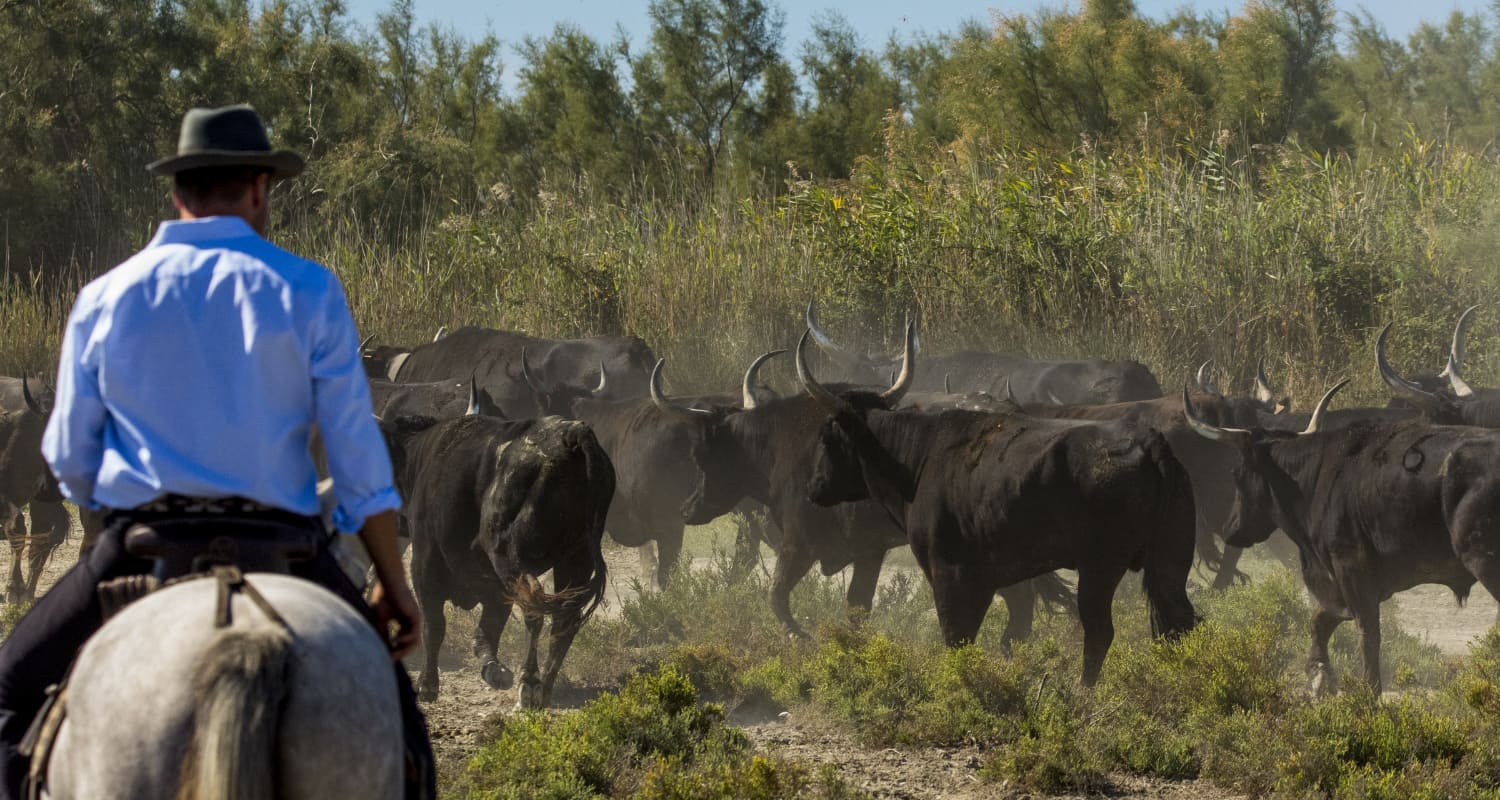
[224, 165]
[243, 192]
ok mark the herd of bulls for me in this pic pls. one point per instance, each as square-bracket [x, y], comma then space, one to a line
[516, 454]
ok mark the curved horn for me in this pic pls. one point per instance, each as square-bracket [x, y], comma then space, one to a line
[817, 333]
[441, 332]
[1203, 383]
[1314, 424]
[31, 402]
[660, 400]
[1461, 387]
[1456, 350]
[603, 381]
[1206, 430]
[526, 374]
[747, 390]
[1263, 391]
[1010, 394]
[1389, 375]
[365, 345]
[903, 381]
[473, 409]
[947, 387]
[824, 397]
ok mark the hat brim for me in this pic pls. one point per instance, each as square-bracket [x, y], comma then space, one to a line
[281, 163]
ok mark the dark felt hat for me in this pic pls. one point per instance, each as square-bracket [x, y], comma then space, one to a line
[224, 137]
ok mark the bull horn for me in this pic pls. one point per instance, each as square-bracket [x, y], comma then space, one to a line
[1010, 394]
[1389, 375]
[473, 409]
[903, 381]
[1054, 399]
[1207, 430]
[817, 333]
[365, 345]
[947, 387]
[824, 397]
[1316, 422]
[1461, 387]
[526, 374]
[31, 402]
[1203, 383]
[603, 381]
[1456, 350]
[441, 332]
[660, 400]
[1263, 391]
[747, 397]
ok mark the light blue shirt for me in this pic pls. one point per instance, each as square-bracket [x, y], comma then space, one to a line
[198, 367]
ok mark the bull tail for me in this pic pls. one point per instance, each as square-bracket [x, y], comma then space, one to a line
[1169, 552]
[1056, 593]
[238, 695]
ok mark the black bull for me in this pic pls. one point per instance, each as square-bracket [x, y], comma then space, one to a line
[493, 359]
[1028, 379]
[492, 504]
[988, 500]
[25, 480]
[1375, 508]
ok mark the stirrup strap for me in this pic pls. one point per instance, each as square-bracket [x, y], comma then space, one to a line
[231, 580]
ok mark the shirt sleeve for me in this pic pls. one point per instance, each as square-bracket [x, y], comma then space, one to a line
[358, 460]
[73, 443]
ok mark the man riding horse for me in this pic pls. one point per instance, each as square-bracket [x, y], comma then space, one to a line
[191, 378]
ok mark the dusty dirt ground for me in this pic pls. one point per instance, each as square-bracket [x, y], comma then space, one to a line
[464, 701]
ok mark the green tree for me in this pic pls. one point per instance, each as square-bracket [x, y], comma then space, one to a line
[704, 63]
[852, 93]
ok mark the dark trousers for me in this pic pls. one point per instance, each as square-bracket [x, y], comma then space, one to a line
[44, 643]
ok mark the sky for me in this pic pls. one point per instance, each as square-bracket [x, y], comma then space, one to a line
[874, 20]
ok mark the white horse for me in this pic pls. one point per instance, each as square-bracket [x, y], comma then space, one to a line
[163, 704]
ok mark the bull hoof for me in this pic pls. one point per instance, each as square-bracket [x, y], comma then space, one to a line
[530, 697]
[426, 693]
[1321, 681]
[497, 675]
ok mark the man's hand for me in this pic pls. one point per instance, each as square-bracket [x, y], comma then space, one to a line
[392, 598]
[399, 607]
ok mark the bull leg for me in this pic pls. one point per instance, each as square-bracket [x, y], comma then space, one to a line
[566, 580]
[434, 629]
[530, 695]
[668, 549]
[748, 534]
[1368, 618]
[790, 567]
[1020, 609]
[862, 585]
[1229, 573]
[493, 615]
[650, 572]
[15, 533]
[962, 599]
[1096, 600]
[1319, 668]
[53, 519]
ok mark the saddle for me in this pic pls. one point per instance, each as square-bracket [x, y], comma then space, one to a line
[220, 547]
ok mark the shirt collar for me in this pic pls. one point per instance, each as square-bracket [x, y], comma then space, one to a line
[191, 231]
